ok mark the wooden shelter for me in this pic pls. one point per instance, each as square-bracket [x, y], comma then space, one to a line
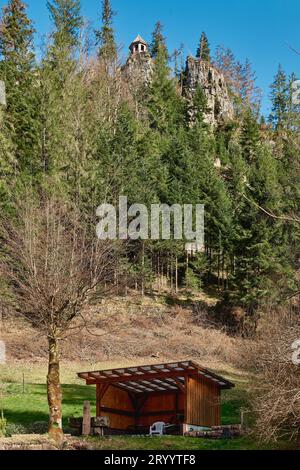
[182, 394]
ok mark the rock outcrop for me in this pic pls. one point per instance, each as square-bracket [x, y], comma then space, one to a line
[138, 71]
[139, 66]
[200, 73]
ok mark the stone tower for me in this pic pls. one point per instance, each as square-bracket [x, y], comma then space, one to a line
[138, 46]
[139, 66]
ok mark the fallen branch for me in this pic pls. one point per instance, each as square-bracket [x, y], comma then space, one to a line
[285, 218]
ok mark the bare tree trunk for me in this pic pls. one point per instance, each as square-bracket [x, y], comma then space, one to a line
[176, 275]
[143, 268]
[158, 273]
[54, 391]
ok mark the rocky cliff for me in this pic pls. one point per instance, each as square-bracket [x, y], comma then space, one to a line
[138, 69]
[202, 74]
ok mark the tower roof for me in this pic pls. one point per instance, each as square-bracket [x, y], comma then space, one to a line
[139, 40]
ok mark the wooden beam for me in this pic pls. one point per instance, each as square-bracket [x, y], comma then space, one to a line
[177, 384]
[139, 387]
[127, 371]
[148, 377]
[153, 388]
[115, 411]
[186, 400]
[141, 402]
[159, 413]
[180, 385]
[98, 400]
[96, 376]
[162, 385]
[132, 414]
[101, 390]
[158, 393]
[116, 372]
[181, 364]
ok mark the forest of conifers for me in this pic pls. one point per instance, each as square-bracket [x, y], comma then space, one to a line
[73, 128]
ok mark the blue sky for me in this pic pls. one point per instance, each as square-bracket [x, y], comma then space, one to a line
[259, 30]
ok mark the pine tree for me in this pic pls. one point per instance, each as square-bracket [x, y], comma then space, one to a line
[164, 104]
[203, 51]
[158, 44]
[279, 97]
[17, 71]
[292, 118]
[105, 37]
[7, 163]
[260, 247]
[67, 19]
[249, 136]
[199, 107]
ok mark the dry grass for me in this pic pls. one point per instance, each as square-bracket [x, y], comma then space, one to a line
[129, 329]
[276, 396]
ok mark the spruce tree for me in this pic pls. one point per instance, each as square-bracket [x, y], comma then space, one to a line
[279, 98]
[105, 37]
[203, 51]
[164, 104]
[158, 44]
[249, 136]
[17, 71]
[260, 247]
[67, 19]
[199, 107]
[292, 118]
[7, 163]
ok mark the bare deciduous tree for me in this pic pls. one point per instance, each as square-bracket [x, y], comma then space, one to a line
[276, 394]
[54, 265]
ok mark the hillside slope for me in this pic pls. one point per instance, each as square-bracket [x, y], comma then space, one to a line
[128, 328]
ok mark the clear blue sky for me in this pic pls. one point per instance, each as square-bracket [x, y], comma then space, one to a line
[259, 30]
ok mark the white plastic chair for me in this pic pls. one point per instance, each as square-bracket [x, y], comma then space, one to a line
[157, 429]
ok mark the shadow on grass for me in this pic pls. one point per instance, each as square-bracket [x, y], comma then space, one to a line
[28, 407]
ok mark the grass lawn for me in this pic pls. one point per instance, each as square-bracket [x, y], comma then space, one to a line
[178, 443]
[26, 410]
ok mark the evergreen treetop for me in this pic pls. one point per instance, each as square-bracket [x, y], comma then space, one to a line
[67, 19]
[158, 43]
[105, 37]
[203, 51]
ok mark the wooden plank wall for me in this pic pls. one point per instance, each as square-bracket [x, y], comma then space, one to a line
[164, 407]
[117, 405]
[203, 402]
[121, 412]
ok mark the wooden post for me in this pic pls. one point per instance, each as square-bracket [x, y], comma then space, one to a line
[186, 402]
[86, 424]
